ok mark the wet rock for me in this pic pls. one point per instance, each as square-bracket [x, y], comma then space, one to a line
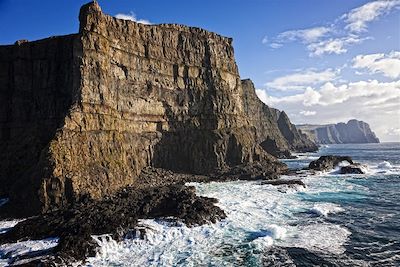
[265, 170]
[352, 169]
[115, 215]
[325, 163]
[285, 182]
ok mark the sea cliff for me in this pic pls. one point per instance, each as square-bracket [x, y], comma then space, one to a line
[82, 115]
[352, 132]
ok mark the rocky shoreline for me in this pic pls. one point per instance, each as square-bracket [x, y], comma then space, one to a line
[116, 215]
[124, 115]
[162, 194]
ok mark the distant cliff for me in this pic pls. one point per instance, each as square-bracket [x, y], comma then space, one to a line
[83, 114]
[353, 131]
[276, 134]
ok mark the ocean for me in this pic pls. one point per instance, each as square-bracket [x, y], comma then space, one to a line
[337, 220]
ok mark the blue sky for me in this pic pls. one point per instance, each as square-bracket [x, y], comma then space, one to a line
[321, 61]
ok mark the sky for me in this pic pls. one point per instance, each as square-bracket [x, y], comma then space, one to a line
[322, 61]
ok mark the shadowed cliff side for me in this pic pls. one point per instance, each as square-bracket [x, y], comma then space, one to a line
[38, 83]
[276, 134]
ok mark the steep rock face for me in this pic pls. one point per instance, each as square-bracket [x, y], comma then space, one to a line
[352, 132]
[84, 114]
[276, 134]
[38, 83]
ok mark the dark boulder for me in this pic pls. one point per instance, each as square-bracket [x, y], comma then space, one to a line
[325, 163]
[352, 169]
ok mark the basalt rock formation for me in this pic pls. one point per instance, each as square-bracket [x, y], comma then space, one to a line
[82, 115]
[276, 134]
[352, 132]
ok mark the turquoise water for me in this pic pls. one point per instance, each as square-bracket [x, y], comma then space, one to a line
[337, 220]
[371, 213]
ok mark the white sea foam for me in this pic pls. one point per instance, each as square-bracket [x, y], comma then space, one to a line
[324, 209]
[7, 225]
[258, 217]
[14, 250]
[323, 237]
[344, 163]
[385, 165]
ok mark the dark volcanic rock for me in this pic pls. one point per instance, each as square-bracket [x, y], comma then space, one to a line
[325, 163]
[285, 182]
[352, 169]
[352, 132]
[84, 114]
[114, 215]
[265, 170]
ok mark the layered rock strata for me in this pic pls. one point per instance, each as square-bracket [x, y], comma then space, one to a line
[276, 134]
[82, 115]
[352, 132]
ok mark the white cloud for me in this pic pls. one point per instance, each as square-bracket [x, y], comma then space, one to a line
[377, 103]
[308, 113]
[299, 81]
[394, 132]
[333, 46]
[131, 16]
[264, 40]
[344, 32]
[358, 18]
[275, 45]
[305, 35]
[387, 64]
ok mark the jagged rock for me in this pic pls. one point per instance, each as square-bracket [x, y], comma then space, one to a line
[353, 132]
[325, 163]
[84, 114]
[115, 215]
[352, 169]
[276, 134]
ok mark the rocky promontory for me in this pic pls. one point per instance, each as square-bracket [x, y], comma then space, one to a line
[352, 132]
[82, 115]
[274, 131]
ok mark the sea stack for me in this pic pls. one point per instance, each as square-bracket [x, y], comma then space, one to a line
[82, 114]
